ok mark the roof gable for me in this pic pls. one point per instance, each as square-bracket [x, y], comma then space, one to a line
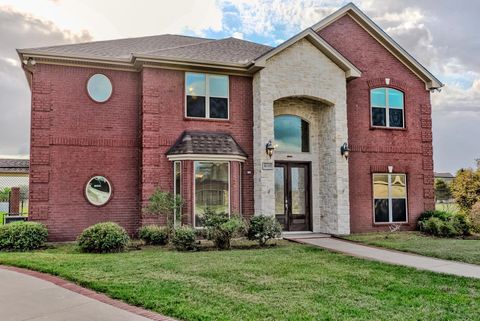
[431, 82]
[350, 70]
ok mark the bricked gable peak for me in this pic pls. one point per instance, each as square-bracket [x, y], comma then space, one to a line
[431, 82]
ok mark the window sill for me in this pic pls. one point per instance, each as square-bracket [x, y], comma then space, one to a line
[390, 223]
[222, 120]
[388, 128]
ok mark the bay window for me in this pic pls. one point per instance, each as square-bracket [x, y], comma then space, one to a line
[212, 182]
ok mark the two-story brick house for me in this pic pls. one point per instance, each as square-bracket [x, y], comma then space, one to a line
[233, 125]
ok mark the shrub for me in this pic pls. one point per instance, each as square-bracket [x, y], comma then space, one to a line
[263, 228]
[221, 228]
[22, 236]
[184, 238]
[103, 238]
[466, 188]
[474, 216]
[442, 215]
[443, 224]
[164, 204]
[153, 234]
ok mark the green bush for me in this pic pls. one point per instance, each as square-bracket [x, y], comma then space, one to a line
[263, 228]
[22, 236]
[184, 238]
[474, 217]
[103, 238]
[221, 228]
[153, 234]
[444, 224]
[442, 215]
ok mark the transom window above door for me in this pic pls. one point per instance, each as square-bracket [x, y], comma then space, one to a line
[291, 134]
[387, 108]
[206, 95]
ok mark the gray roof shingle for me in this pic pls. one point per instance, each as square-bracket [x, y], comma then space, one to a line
[228, 50]
[192, 142]
[8, 165]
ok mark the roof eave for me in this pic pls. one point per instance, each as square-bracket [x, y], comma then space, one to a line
[431, 82]
[350, 70]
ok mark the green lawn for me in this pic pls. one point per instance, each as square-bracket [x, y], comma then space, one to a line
[286, 282]
[465, 250]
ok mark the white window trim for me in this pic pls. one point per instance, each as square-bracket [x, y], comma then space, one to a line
[194, 191]
[387, 108]
[175, 190]
[207, 96]
[390, 210]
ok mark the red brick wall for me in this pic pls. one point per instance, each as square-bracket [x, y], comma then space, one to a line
[408, 151]
[163, 115]
[74, 138]
[125, 139]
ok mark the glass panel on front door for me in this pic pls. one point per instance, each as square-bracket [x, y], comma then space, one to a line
[292, 195]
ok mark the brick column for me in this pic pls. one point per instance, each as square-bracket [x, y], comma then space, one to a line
[42, 105]
[427, 156]
[14, 201]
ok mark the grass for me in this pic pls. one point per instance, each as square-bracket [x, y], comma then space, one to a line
[285, 282]
[447, 207]
[464, 250]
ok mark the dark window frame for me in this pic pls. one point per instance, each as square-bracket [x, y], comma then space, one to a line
[207, 96]
[387, 109]
[390, 199]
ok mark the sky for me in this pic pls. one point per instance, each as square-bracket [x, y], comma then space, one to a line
[441, 34]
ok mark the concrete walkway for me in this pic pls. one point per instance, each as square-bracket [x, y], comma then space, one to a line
[25, 297]
[390, 256]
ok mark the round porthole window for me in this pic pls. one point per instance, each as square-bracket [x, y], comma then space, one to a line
[99, 88]
[98, 190]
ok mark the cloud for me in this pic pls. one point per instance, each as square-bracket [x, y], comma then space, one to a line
[18, 30]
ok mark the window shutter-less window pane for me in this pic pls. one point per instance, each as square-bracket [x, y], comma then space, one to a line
[395, 98]
[379, 116]
[399, 189]
[378, 97]
[218, 86]
[218, 108]
[381, 210]
[195, 84]
[195, 106]
[380, 186]
[399, 210]
[396, 117]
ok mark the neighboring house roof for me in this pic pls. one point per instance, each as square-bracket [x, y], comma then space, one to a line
[205, 143]
[443, 175]
[14, 165]
[223, 54]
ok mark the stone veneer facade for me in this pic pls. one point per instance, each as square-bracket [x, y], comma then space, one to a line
[302, 71]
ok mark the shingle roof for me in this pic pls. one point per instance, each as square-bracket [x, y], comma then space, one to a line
[206, 144]
[444, 175]
[14, 165]
[228, 50]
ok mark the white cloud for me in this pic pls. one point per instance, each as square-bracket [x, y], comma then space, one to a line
[238, 35]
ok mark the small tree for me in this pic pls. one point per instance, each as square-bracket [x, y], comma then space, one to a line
[164, 203]
[442, 190]
[466, 188]
[5, 193]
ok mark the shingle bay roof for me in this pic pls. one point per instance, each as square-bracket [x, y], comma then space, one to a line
[228, 50]
[14, 165]
[206, 143]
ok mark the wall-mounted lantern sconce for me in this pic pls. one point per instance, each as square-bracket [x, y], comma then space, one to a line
[29, 62]
[269, 148]
[344, 150]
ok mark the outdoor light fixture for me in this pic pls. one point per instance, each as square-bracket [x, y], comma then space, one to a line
[269, 148]
[344, 150]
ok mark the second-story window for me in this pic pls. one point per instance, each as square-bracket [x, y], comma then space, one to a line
[206, 95]
[387, 108]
